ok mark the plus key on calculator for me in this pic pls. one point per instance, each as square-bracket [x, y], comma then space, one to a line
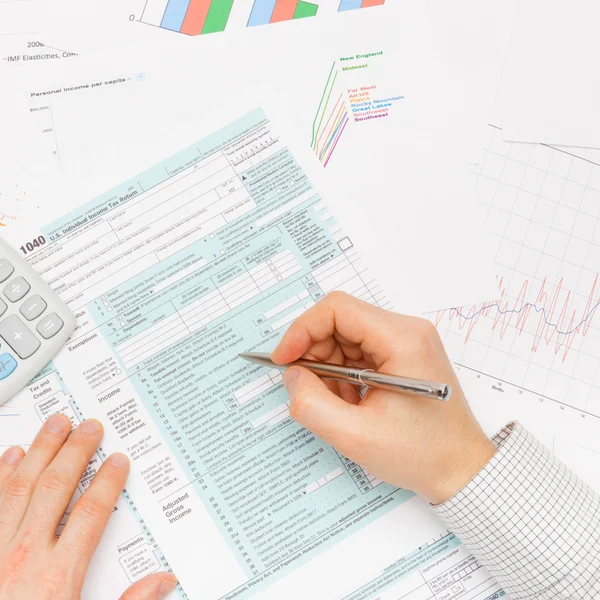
[34, 323]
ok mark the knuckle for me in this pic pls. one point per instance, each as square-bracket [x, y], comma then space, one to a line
[15, 562]
[18, 486]
[42, 443]
[54, 482]
[93, 509]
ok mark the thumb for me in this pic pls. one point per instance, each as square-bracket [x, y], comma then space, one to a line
[152, 587]
[317, 408]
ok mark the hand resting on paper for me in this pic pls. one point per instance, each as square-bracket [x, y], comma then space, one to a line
[35, 491]
[433, 448]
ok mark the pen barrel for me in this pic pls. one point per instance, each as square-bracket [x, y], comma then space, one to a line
[381, 381]
[331, 371]
[418, 387]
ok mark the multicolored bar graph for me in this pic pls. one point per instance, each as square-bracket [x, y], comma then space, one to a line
[355, 4]
[275, 11]
[198, 17]
[191, 17]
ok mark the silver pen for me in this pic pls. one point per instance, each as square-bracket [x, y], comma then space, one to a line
[366, 377]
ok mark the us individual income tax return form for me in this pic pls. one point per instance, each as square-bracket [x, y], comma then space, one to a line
[211, 253]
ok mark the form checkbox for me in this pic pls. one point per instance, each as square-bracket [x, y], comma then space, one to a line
[345, 244]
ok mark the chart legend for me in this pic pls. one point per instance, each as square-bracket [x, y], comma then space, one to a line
[353, 94]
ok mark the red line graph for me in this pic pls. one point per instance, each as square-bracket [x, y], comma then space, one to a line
[556, 324]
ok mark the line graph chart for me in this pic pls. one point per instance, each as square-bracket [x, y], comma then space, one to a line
[556, 326]
[353, 95]
[330, 121]
[533, 352]
[541, 332]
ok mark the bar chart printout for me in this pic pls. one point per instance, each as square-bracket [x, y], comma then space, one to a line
[197, 17]
[275, 11]
[191, 17]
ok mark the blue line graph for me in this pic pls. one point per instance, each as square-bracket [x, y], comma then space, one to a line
[527, 306]
[557, 324]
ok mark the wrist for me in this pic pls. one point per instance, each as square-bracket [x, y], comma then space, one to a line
[460, 468]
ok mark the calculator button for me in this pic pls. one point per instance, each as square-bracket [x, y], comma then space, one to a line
[6, 269]
[16, 289]
[7, 365]
[3, 308]
[33, 307]
[14, 332]
[49, 326]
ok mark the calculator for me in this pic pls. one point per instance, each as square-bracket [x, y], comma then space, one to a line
[34, 323]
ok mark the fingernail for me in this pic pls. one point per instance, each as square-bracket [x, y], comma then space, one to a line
[91, 427]
[57, 424]
[118, 460]
[289, 379]
[166, 587]
[12, 456]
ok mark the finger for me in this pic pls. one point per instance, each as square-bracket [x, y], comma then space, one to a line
[328, 350]
[324, 350]
[153, 587]
[356, 321]
[315, 407]
[58, 482]
[350, 350]
[91, 512]
[18, 488]
[348, 392]
[9, 462]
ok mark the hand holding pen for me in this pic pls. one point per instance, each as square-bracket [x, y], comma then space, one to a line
[431, 447]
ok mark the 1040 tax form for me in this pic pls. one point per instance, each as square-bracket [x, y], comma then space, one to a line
[171, 275]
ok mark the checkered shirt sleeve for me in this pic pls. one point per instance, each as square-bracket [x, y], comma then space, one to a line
[531, 521]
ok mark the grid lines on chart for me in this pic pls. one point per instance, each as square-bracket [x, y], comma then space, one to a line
[541, 332]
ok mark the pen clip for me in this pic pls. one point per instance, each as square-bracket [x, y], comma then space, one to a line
[360, 374]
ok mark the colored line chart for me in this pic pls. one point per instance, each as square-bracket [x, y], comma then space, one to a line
[199, 17]
[555, 325]
[353, 94]
[330, 121]
[541, 333]
[532, 354]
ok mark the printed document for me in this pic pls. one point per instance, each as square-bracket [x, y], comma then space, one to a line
[532, 352]
[386, 129]
[212, 252]
[127, 550]
[122, 23]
